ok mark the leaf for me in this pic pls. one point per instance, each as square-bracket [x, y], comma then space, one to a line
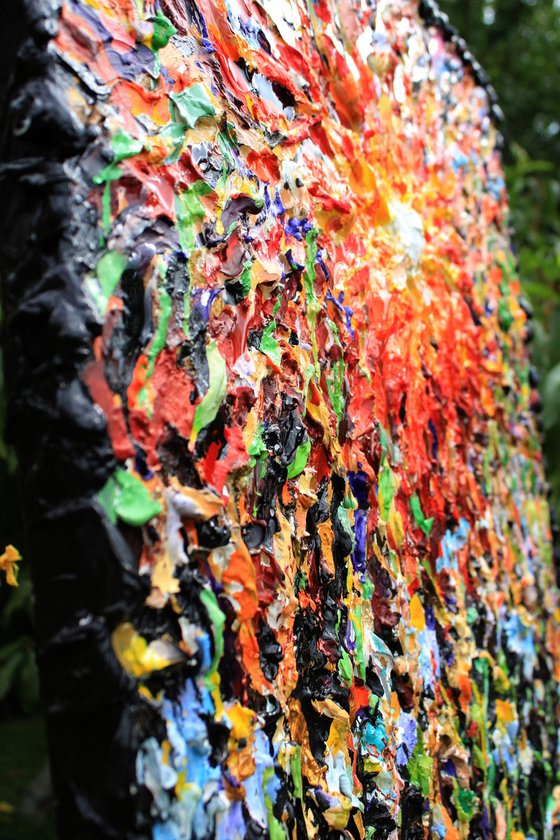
[11, 648]
[9, 671]
[551, 398]
[28, 683]
[18, 602]
[554, 337]
[538, 289]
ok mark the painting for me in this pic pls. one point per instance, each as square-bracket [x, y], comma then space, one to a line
[271, 394]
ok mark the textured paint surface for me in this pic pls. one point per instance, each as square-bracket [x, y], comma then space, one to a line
[313, 370]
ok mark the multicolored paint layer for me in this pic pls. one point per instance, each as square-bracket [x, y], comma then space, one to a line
[314, 375]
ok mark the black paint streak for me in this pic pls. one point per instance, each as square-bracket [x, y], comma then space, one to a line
[83, 570]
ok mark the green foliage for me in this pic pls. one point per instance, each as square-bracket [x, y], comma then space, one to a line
[518, 44]
[22, 764]
[23, 750]
[19, 682]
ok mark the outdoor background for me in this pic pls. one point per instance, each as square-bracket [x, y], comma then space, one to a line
[518, 44]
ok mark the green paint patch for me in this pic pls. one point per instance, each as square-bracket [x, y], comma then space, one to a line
[487, 459]
[112, 172]
[310, 258]
[349, 502]
[335, 384]
[125, 497]
[300, 460]
[368, 589]
[189, 208]
[295, 770]
[275, 828]
[308, 373]
[258, 450]
[124, 146]
[386, 492]
[245, 278]
[464, 801]
[300, 581]
[191, 105]
[158, 343]
[269, 346]
[173, 134]
[359, 633]
[310, 273]
[424, 524]
[218, 620]
[420, 766]
[345, 667]
[472, 615]
[109, 271]
[384, 440]
[505, 318]
[163, 31]
[209, 406]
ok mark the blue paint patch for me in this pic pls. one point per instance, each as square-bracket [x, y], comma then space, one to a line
[451, 545]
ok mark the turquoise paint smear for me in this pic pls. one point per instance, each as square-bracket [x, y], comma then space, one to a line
[375, 735]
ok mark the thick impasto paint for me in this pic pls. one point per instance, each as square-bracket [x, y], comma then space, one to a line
[289, 220]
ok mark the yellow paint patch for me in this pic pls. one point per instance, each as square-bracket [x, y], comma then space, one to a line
[136, 656]
[241, 720]
[417, 615]
[504, 711]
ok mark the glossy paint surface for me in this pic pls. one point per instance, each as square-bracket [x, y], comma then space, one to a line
[314, 374]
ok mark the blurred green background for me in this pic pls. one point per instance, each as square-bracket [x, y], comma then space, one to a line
[518, 44]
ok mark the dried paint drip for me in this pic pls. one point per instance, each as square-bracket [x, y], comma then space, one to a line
[313, 371]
